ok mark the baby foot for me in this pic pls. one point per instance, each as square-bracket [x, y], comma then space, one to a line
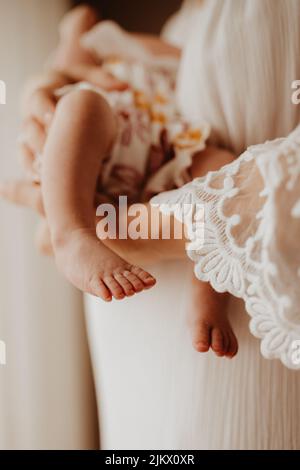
[95, 269]
[209, 323]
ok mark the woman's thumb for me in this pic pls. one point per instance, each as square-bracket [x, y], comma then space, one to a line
[97, 76]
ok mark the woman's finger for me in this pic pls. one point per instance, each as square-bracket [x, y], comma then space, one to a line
[33, 135]
[24, 193]
[39, 98]
[28, 160]
[40, 105]
[43, 239]
[97, 76]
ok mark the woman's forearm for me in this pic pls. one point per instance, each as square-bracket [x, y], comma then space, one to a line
[157, 46]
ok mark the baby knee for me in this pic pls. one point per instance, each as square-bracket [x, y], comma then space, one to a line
[88, 109]
[83, 102]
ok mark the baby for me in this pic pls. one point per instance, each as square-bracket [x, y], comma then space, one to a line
[108, 142]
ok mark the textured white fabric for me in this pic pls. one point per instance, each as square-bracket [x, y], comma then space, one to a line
[180, 25]
[249, 245]
[253, 69]
[157, 392]
[240, 60]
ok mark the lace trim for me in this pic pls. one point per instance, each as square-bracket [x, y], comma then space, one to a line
[231, 267]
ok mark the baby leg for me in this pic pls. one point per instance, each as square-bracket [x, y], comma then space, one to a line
[208, 311]
[80, 136]
[208, 321]
[43, 238]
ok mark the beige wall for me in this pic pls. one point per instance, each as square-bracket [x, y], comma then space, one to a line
[46, 392]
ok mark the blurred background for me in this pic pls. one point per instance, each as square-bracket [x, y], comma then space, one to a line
[46, 388]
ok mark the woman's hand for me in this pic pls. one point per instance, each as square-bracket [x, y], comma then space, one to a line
[39, 102]
[38, 107]
[27, 193]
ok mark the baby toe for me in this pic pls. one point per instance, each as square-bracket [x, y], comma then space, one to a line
[134, 280]
[201, 337]
[114, 287]
[226, 341]
[144, 276]
[233, 346]
[125, 284]
[217, 342]
[100, 290]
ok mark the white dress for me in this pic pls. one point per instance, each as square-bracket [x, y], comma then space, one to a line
[154, 391]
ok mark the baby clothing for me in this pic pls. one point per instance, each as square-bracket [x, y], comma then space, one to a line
[154, 145]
